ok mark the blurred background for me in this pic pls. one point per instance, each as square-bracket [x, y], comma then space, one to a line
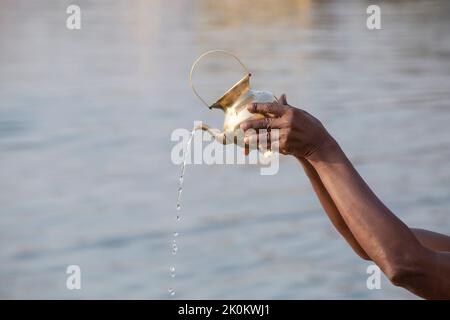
[86, 116]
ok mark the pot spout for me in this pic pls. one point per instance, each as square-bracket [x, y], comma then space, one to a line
[217, 134]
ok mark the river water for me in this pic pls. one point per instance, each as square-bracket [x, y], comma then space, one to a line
[86, 117]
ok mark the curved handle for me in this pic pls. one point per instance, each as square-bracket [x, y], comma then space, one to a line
[201, 57]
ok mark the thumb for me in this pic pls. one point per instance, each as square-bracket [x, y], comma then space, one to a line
[282, 99]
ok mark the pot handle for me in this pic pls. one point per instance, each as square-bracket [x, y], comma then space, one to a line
[201, 57]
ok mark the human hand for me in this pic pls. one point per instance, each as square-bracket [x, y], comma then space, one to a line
[299, 133]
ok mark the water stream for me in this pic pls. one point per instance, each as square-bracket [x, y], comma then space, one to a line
[174, 245]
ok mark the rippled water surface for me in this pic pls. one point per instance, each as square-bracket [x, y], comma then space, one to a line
[86, 116]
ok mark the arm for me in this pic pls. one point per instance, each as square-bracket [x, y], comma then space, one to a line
[328, 204]
[432, 240]
[386, 239]
[382, 236]
[331, 210]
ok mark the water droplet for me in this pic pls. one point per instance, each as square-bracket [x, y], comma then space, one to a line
[172, 271]
[174, 248]
[171, 291]
[178, 218]
[178, 207]
[175, 234]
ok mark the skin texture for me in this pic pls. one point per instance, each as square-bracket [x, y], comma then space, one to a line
[415, 259]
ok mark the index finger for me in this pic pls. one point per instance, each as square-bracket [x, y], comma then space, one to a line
[265, 108]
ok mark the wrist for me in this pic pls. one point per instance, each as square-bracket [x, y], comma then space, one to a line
[327, 151]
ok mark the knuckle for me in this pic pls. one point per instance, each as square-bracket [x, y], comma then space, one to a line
[290, 113]
[276, 107]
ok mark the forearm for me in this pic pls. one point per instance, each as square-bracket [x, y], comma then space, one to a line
[429, 239]
[387, 240]
[330, 208]
[380, 233]
[432, 240]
